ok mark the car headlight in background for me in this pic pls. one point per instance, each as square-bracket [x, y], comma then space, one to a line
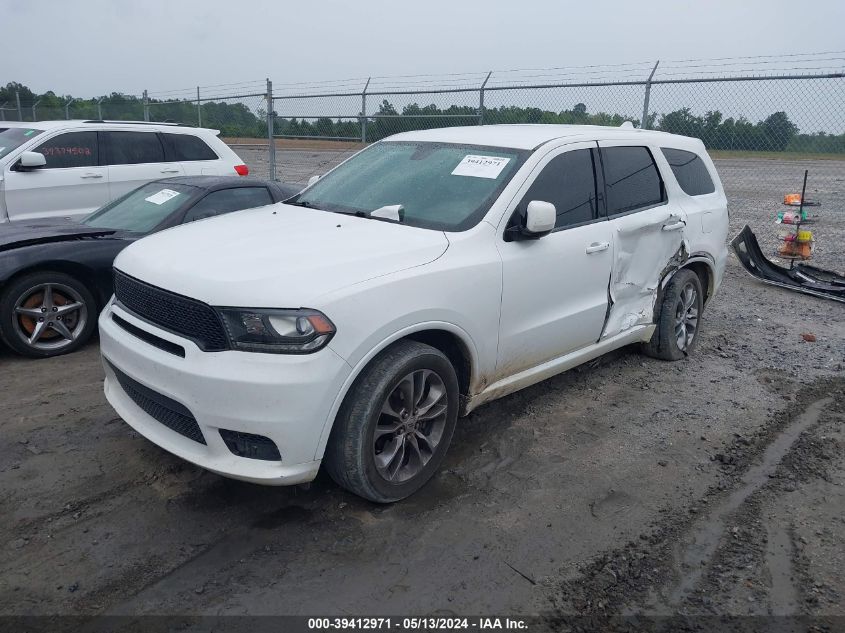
[277, 331]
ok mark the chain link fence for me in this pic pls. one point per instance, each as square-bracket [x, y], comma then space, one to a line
[787, 111]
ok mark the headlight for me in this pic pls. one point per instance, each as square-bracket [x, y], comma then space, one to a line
[277, 331]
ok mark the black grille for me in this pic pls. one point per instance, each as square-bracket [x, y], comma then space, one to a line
[250, 445]
[166, 411]
[187, 317]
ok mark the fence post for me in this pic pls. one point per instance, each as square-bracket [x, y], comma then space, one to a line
[199, 110]
[35, 105]
[3, 111]
[146, 104]
[364, 111]
[18, 99]
[100, 108]
[481, 99]
[271, 128]
[67, 109]
[644, 120]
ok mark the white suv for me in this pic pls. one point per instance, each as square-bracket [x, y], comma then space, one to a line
[71, 168]
[428, 274]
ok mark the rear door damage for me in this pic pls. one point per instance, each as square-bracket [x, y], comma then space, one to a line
[648, 246]
[801, 277]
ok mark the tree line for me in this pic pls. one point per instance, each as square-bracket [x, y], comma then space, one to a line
[775, 133]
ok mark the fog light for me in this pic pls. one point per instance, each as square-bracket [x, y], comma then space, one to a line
[251, 446]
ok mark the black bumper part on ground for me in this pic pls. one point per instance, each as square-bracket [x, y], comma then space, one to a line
[802, 277]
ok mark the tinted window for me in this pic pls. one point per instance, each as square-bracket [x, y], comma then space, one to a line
[632, 179]
[568, 183]
[132, 148]
[74, 149]
[690, 171]
[187, 147]
[228, 200]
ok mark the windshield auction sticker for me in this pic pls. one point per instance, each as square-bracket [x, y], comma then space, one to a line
[480, 166]
[162, 196]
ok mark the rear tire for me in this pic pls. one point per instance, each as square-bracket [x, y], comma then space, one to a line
[679, 319]
[396, 423]
[46, 313]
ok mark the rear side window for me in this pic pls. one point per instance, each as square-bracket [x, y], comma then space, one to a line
[74, 149]
[569, 183]
[228, 200]
[186, 147]
[690, 171]
[133, 148]
[632, 179]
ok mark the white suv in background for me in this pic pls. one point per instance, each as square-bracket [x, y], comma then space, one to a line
[72, 168]
[428, 274]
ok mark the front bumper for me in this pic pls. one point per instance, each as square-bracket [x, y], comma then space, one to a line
[286, 398]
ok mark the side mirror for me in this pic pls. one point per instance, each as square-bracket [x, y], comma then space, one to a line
[313, 179]
[31, 160]
[540, 218]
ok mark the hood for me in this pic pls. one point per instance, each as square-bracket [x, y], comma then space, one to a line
[276, 256]
[14, 235]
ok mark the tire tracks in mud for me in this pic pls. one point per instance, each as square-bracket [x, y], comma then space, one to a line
[724, 554]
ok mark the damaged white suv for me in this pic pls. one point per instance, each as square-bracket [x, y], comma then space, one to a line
[430, 273]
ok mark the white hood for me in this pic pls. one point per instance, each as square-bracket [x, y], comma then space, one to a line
[276, 256]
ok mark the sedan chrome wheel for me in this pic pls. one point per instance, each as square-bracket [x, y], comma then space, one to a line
[410, 425]
[686, 317]
[49, 316]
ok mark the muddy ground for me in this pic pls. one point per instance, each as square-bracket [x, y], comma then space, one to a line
[714, 485]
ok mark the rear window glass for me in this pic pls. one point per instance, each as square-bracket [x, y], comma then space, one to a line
[690, 171]
[632, 179]
[74, 149]
[185, 147]
[132, 148]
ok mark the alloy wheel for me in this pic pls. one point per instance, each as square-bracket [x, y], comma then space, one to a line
[49, 316]
[686, 317]
[410, 425]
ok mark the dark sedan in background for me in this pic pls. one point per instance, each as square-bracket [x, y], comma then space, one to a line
[55, 276]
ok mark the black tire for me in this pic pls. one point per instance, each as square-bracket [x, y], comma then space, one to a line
[665, 342]
[352, 449]
[80, 323]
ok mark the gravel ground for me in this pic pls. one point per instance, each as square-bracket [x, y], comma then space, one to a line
[710, 486]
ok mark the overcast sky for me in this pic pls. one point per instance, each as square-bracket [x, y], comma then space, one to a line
[93, 47]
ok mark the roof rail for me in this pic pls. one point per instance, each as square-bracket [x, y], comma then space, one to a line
[168, 122]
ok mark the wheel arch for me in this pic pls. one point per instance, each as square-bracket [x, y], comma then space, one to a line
[78, 271]
[453, 341]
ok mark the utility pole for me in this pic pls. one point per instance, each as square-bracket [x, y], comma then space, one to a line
[35, 105]
[146, 104]
[67, 109]
[199, 110]
[18, 99]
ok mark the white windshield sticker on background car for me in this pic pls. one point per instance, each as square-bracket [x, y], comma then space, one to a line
[162, 196]
[480, 166]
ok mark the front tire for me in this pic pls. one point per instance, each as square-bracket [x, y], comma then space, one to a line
[679, 319]
[396, 423]
[46, 313]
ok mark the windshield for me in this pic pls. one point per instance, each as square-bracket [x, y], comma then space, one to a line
[141, 210]
[440, 186]
[13, 137]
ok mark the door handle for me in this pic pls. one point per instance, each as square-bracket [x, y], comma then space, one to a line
[673, 227]
[596, 247]
[170, 171]
[89, 175]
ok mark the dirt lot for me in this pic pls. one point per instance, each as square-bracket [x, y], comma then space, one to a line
[715, 485]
